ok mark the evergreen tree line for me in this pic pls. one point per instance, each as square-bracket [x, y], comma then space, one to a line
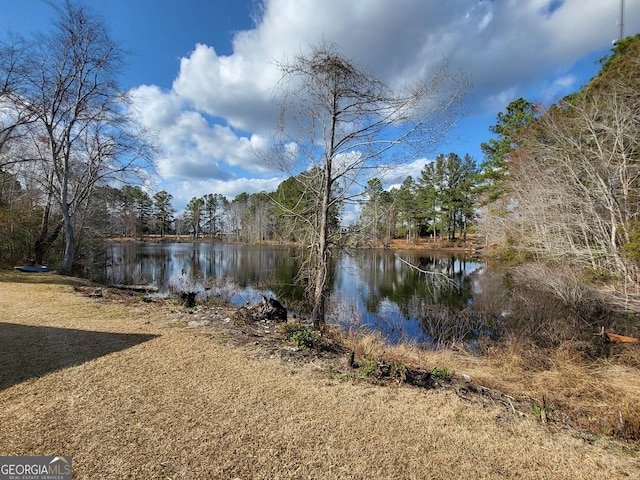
[439, 204]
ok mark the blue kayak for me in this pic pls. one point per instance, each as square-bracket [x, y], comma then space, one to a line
[32, 269]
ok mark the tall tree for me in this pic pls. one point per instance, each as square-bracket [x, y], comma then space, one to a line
[261, 225]
[67, 81]
[408, 208]
[339, 119]
[377, 219]
[494, 223]
[213, 208]
[163, 211]
[430, 198]
[237, 216]
[447, 193]
[103, 216]
[510, 124]
[469, 189]
[136, 209]
[296, 210]
[193, 214]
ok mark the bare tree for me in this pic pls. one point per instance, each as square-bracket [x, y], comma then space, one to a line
[67, 82]
[344, 125]
[577, 182]
[14, 115]
[378, 217]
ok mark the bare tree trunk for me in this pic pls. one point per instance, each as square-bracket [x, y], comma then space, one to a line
[342, 113]
[319, 297]
[45, 237]
[67, 219]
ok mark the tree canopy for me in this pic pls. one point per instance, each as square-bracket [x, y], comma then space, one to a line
[62, 93]
[345, 121]
[574, 179]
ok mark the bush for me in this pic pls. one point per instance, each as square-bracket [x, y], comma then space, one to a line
[302, 337]
[378, 370]
[597, 275]
[442, 373]
[631, 249]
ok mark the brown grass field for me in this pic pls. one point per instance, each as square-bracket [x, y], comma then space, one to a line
[131, 391]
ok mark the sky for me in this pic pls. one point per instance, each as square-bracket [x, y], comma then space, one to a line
[202, 72]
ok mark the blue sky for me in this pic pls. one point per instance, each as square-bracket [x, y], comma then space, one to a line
[202, 71]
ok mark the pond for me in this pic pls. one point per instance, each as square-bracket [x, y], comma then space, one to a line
[460, 300]
[376, 289]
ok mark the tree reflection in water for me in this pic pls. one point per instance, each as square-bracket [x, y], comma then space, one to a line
[371, 288]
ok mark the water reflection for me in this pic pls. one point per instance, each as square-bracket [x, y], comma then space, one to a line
[374, 288]
[382, 291]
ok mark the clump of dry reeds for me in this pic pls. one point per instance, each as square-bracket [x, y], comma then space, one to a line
[598, 395]
[565, 381]
[449, 328]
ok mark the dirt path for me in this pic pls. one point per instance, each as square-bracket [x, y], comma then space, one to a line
[131, 392]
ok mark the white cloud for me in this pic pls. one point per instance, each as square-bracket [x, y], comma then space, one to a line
[501, 45]
[486, 20]
[154, 108]
[192, 146]
[499, 100]
[236, 88]
[558, 88]
[220, 107]
[394, 177]
[185, 190]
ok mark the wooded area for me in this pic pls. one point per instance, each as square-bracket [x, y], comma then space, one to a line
[64, 132]
[557, 184]
[570, 177]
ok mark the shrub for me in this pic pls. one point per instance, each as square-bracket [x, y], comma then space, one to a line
[597, 275]
[442, 373]
[376, 370]
[302, 337]
[631, 249]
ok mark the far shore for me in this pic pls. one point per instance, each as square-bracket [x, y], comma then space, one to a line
[470, 245]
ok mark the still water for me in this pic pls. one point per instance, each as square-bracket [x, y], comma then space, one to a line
[375, 289]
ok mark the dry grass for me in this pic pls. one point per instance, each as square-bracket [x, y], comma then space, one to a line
[599, 397]
[188, 403]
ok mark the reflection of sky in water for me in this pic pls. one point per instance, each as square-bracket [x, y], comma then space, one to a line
[370, 288]
[351, 289]
[250, 296]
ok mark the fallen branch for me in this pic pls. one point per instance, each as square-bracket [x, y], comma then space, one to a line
[438, 275]
[615, 338]
[135, 288]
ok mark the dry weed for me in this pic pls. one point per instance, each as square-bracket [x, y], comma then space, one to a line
[185, 406]
[599, 396]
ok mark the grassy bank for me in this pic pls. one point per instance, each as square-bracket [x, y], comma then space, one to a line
[131, 391]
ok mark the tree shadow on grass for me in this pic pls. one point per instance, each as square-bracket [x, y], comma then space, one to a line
[31, 351]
